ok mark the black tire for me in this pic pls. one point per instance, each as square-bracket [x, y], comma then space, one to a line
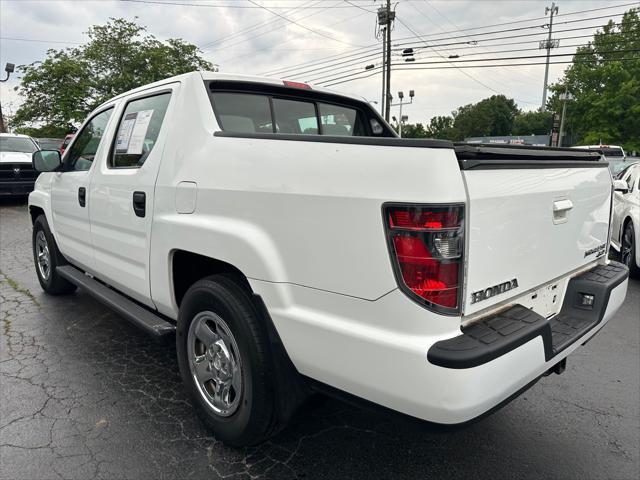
[628, 250]
[52, 283]
[255, 418]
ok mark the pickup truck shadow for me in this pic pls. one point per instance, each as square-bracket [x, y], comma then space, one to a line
[126, 392]
[86, 395]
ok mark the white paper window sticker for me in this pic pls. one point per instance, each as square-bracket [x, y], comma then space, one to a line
[139, 132]
[124, 134]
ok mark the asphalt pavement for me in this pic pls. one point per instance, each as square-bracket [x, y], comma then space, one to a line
[85, 395]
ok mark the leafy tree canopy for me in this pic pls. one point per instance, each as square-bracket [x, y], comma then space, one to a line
[119, 56]
[491, 116]
[606, 88]
[441, 127]
[532, 123]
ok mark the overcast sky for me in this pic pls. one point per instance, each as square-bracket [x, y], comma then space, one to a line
[241, 37]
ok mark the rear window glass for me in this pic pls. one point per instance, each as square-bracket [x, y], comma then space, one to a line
[611, 152]
[337, 120]
[293, 116]
[243, 113]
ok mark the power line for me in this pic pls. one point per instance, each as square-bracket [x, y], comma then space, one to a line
[258, 26]
[364, 55]
[423, 41]
[39, 40]
[451, 62]
[254, 26]
[466, 74]
[373, 46]
[291, 40]
[331, 82]
[300, 25]
[252, 7]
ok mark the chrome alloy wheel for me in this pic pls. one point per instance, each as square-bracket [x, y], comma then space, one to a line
[215, 363]
[627, 246]
[43, 256]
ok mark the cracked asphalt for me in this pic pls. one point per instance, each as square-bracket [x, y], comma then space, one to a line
[85, 395]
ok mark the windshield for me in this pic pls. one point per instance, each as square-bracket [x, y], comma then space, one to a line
[17, 144]
[617, 165]
[621, 168]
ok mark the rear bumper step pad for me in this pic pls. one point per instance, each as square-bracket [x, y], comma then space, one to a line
[141, 317]
[492, 337]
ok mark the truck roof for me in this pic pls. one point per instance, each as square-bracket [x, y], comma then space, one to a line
[205, 75]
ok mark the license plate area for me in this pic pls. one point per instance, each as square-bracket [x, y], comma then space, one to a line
[546, 300]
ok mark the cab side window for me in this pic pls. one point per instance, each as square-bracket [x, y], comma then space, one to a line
[86, 144]
[138, 131]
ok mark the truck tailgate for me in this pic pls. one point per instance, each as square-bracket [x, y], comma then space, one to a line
[534, 215]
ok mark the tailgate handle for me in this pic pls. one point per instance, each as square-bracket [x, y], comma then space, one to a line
[560, 209]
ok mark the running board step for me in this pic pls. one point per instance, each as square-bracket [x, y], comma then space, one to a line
[139, 316]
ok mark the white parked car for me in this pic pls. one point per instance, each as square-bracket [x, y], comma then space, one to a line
[294, 244]
[625, 225]
[17, 175]
[614, 154]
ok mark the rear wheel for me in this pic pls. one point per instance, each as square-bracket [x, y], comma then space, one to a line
[47, 258]
[225, 361]
[628, 250]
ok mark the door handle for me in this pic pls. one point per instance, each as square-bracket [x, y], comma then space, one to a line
[139, 203]
[562, 205]
[82, 196]
[560, 210]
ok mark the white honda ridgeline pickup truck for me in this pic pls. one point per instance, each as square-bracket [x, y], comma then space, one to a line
[293, 244]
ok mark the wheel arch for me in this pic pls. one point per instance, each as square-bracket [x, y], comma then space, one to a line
[188, 267]
[35, 212]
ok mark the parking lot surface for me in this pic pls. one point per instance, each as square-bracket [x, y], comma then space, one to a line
[85, 395]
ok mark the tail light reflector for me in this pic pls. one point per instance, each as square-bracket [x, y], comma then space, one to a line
[426, 243]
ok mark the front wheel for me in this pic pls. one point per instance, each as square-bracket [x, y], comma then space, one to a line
[629, 250]
[47, 258]
[225, 361]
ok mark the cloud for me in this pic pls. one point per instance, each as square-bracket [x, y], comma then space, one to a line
[253, 41]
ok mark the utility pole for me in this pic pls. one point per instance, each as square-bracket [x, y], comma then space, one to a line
[383, 103]
[388, 65]
[9, 68]
[564, 97]
[548, 45]
[385, 19]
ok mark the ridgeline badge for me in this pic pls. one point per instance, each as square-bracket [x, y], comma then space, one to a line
[599, 251]
[493, 291]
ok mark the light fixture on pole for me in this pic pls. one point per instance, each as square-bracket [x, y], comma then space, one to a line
[401, 103]
[9, 68]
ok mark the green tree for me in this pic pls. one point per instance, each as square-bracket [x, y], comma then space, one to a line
[119, 56]
[410, 130]
[606, 88]
[532, 123]
[441, 127]
[492, 116]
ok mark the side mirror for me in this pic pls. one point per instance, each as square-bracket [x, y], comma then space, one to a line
[620, 186]
[47, 160]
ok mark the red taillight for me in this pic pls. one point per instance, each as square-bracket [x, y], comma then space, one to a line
[289, 83]
[427, 247]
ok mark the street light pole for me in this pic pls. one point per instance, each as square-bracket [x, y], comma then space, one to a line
[9, 68]
[564, 97]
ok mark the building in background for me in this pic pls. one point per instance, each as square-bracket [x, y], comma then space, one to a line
[537, 140]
